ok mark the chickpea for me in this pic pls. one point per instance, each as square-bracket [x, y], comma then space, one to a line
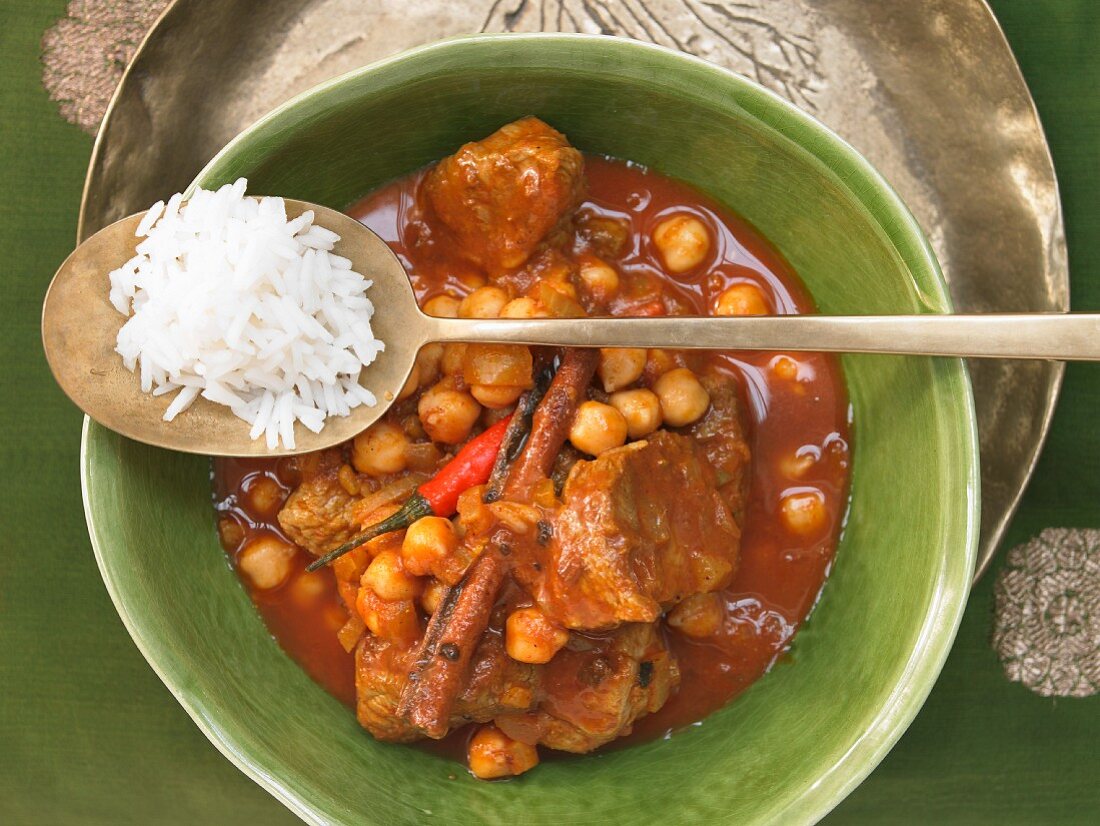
[231, 532]
[432, 596]
[484, 302]
[397, 622]
[412, 383]
[448, 415]
[799, 463]
[442, 306]
[428, 541]
[599, 278]
[453, 359]
[597, 427]
[700, 615]
[532, 637]
[683, 242]
[683, 398]
[803, 512]
[428, 362]
[495, 397]
[640, 408]
[523, 307]
[492, 754]
[658, 362]
[387, 577]
[619, 367]
[785, 368]
[307, 588]
[380, 449]
[742, 299]
[265, 495]
[471, 280]
[266, 561]
[497, 365]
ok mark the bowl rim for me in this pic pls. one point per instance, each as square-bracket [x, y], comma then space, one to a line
[944, 614]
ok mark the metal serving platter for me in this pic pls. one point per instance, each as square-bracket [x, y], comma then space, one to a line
[928, 90]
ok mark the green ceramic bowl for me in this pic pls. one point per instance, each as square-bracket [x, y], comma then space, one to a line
[801, 738]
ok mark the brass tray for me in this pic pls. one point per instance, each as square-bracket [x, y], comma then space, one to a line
[928, 90]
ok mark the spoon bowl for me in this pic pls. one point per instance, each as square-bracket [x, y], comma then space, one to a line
[80, 325]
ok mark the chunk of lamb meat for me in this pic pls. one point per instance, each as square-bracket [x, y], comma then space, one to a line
[500, 196]
[320, 514]
[640, 528]
[595, 688]
[496, 684]
[721, 436]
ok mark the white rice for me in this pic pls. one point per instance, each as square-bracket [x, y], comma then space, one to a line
[230, 301]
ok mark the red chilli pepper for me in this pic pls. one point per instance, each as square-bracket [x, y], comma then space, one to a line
[439, 495]
[470, 466]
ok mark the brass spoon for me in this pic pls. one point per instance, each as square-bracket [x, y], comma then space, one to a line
[79, 326]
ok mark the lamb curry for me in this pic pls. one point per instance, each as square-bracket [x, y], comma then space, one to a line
[588, 545]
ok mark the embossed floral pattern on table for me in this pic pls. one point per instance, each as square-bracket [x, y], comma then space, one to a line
[85, 53]
[1047, 626]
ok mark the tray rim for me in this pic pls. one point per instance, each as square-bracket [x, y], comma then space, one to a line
[1054, 389]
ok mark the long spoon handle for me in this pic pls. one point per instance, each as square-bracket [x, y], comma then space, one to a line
[1056, 336]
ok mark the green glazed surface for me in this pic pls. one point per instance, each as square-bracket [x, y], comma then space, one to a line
[798, 741]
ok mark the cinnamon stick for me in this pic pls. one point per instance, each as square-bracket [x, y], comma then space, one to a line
[441, 663]
[551, 422]
[439, 670]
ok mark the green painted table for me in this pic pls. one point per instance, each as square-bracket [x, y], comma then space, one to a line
[89, 735]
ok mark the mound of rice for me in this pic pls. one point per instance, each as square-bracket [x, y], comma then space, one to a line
[231, 301]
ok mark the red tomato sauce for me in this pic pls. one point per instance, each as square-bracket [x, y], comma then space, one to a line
[798, 425]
